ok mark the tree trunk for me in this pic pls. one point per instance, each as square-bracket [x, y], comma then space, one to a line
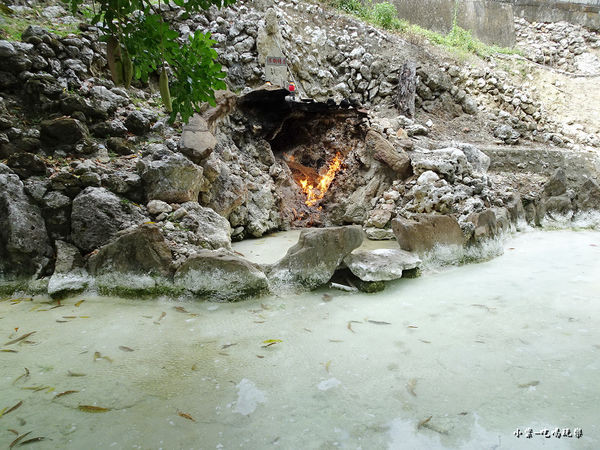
[407, 88]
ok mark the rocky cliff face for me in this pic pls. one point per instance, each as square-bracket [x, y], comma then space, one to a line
[87, 167]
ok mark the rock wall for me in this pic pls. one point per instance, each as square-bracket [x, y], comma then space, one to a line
[491, 22]
[579, 12]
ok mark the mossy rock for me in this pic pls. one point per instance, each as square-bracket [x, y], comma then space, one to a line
[370, 286]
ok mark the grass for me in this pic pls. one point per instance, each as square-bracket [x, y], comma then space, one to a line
[13, 24]
[385, 15]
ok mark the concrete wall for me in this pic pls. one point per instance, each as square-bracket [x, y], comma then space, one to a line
[490, 21]
[581, 12]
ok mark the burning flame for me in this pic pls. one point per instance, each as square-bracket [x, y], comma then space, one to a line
[316, 193]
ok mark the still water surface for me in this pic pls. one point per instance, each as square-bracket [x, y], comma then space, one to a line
[459, 358]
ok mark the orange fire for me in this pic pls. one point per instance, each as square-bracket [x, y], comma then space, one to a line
[316, 193]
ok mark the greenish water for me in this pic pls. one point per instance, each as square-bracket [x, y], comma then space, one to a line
[467, 355]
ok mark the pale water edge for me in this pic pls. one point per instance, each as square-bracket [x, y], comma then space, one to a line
[480, 350]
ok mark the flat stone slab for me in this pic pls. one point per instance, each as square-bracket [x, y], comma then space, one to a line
[382, 264]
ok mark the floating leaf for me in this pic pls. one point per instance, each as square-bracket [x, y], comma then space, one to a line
[11, 409]
[186, 416]
[224, 346]
[64, 393]
[423, 422]
[270, 342]
[75, 374]
[92, 409]
[378, 322]
[26, 374]
[78, 304]
[18, 439]
[32, 440]
[125, 349]
[25, 336]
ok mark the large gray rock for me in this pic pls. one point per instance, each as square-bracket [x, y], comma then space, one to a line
[69, 274]
[426, 231]
[197, 142]
[485, 224]
[98, 214]
[383, 151]
[207, 228]
[220, 275]
[588, 195]
[480, 162]
[170, 177]
[315, 257]
[382, 264]
[63, 131]
[24, 245]
[557, 184]
[139, 250]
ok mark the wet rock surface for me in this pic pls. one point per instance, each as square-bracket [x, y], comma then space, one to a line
[314, 259]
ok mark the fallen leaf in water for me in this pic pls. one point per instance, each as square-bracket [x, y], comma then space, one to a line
[327, 365]
[306, 329]
[480, 342]
[530, 384]
[25, 336]
[18, 439]
[335, 340]
[464, 413]
[13, 431]
[195, 367]
[411, 385]
[69, 317]
[64, 393]
[125, 349]
[327, 297]
[378, 322]
[92, 409]
[75, 374]
[32, 440]
[5, 411]
[61, 321]
[78, 304]
[424, 341]
[423, 422]
[181, 309]
[263, 306]
[162, 316]
[55, 306]
[349, 326]
[260, 356]
[224, 346]
[26, 374]
[259, 321]
[98, 356]
[511, 248]
[270, 342]
[38, 388]
[186, 416]
[9, 350]
[412, 326]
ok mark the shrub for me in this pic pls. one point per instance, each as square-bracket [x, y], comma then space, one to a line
[385, 15]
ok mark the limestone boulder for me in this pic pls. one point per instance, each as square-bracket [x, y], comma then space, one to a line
[450, 163]
[69, 275]
[139, 250]
[24, 244]
[62, 131]
[98, 214]
[381, 264]
[425, 231]
[485, 225]
[382, 150]
[197, 142]
[170, 177]
[201, 226]
[315, 257]
[220, 275]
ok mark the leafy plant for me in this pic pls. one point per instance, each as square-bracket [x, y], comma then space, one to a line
[140, 41]
[384, 14]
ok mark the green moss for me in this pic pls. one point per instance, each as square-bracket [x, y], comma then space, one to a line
[370, 286]
[158, 290]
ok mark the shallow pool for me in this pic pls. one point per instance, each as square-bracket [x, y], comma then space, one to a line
[459, 358]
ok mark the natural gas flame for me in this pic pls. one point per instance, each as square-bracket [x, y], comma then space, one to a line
[316, 193]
